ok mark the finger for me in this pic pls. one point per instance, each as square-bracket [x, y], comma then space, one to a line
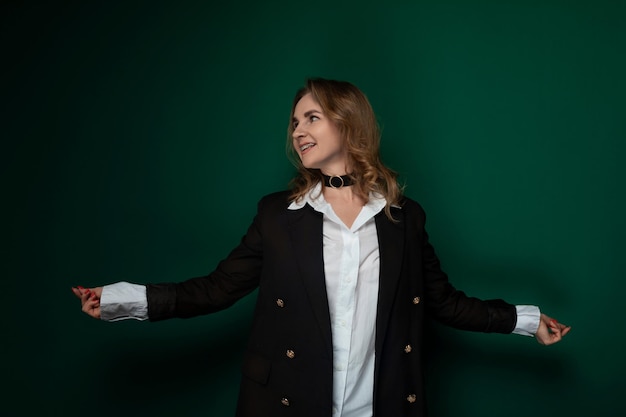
[94, 300]
[87, 295]
[92, 308]
[566, 330]
[554, 327]
[77, 292]
[86, 308]
[88, 302]
[82, 293]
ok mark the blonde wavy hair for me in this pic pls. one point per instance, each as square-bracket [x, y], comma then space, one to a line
[352, 113]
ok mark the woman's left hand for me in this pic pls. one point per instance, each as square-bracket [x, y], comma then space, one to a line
[550, 331]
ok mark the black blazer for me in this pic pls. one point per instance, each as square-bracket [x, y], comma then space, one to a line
[287, 369]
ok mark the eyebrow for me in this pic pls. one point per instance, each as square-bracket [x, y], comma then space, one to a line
[306, 114]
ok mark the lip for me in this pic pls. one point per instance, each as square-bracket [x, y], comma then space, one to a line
[306, 147]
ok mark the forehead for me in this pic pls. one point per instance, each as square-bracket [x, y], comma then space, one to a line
[306, 103]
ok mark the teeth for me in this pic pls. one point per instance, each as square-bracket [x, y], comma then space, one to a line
[305, 147]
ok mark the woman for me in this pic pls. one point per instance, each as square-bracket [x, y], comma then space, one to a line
[345, 273]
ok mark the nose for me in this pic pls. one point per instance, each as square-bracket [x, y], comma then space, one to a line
[298, 132]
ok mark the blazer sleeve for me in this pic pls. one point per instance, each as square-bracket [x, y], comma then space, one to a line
[451, 306]
[235, 277]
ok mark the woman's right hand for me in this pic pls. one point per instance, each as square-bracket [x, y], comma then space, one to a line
[89, 299]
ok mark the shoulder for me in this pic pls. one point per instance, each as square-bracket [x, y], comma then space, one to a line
[271, 208]
[411, 207]
[275, 201]
[410, 213]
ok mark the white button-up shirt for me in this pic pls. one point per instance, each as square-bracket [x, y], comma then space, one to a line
[351, 268]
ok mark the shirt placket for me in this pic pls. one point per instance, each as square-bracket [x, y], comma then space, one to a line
[344, 308]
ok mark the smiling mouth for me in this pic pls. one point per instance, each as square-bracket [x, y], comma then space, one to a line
[307, 146]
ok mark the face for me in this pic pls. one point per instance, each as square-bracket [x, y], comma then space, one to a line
[316, 139]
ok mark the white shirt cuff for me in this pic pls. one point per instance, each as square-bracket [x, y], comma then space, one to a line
[528, 318]
[122, 301]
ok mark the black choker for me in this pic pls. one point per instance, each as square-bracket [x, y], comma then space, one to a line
[337, 181]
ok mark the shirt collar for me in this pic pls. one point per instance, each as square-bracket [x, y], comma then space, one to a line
[315, 198]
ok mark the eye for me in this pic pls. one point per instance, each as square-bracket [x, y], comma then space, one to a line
[313, 118]
[294, 124]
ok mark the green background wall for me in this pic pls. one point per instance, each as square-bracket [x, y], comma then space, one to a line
[138, 136]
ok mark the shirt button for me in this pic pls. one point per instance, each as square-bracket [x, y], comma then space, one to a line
[280, 303]
[416, 300]
[411, 398]
[290, 354]
[408, 348]
[285, 402]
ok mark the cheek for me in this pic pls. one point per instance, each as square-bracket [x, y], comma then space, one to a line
[296, 149]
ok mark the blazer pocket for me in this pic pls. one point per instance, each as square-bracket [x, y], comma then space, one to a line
[256, 367]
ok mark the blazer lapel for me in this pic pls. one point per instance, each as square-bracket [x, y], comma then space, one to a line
[306, 235]
[391, 250]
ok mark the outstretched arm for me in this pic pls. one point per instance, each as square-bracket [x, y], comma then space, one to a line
[89, 299]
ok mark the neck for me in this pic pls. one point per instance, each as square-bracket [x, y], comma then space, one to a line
[342, 197]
